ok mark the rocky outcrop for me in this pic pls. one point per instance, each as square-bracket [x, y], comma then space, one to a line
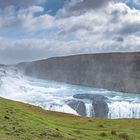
[78, 106]
[99, 104]
[100, 108]
[92, 97]
[112, 71]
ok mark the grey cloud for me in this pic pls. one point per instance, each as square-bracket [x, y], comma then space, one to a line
[127, 1]
[23, 50]
[115, 15]
[128, 29]
[76, 28]
[118, 39]
[87, 4]
[24, 3]
[10, 18]
[13, 51]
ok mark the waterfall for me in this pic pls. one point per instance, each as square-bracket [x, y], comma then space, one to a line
[118, 109]
[123, 109]
[89, 109]
[61, 108]
[52, 95]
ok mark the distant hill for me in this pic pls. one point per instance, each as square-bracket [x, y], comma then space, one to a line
[112, 71]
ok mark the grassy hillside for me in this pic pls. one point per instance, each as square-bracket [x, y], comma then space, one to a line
[20, 121]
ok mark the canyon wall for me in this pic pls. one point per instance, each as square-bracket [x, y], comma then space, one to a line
[112, 71]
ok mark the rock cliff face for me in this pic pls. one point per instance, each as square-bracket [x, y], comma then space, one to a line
[113, 71]
[99, 104]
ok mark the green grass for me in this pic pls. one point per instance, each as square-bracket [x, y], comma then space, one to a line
[20, 121]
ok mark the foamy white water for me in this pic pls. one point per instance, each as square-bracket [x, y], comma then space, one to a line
[89, 109]
[124, 109]
[52, 95]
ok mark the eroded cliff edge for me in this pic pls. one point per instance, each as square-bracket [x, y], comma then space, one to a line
[112, 71]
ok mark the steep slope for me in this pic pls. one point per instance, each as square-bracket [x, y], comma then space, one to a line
[20, 121]
[113, 71]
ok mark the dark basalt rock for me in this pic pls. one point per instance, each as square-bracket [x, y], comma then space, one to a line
[78, 106]
[100, 108]
[90, 96]
[99, 104]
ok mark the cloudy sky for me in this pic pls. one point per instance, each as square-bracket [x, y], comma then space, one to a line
[36, 29]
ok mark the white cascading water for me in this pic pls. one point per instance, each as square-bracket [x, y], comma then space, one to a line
[61, 108]
[124, 109]
[53, 95]
[89, 109]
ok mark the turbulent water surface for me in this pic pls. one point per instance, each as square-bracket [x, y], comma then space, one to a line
[53, 95]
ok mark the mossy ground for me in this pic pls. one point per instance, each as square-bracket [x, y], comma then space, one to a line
[20, 121]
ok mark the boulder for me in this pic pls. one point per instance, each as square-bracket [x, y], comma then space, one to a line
[78, 106]
[100, 108]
